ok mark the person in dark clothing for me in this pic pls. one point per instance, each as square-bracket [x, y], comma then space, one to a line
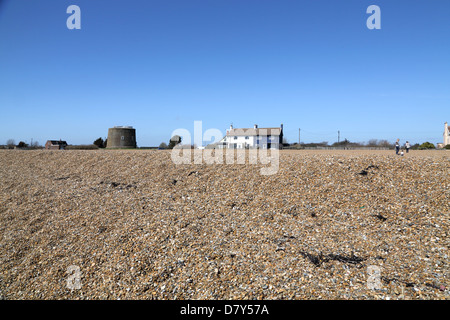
[397, 146]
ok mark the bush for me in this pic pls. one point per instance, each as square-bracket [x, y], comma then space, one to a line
[174, 141]
[348, 144]
[22, 145]
[315, 145]
[385, 144]
[447, 147]
[426, 145]
[10, 144]
[35, 145]
[100, 143]
[82, 147]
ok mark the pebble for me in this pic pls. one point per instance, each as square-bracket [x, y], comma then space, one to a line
[311, 230]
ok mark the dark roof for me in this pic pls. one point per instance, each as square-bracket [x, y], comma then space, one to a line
[57, 142]
[254, 132]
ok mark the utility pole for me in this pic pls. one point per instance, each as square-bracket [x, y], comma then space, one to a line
[298, 136]
[339, 136]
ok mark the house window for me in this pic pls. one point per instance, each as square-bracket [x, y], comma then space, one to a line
[246, 138]
[225, 139]
[235, 138]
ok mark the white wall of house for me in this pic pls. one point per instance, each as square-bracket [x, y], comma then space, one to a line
[241, 142]
[263, 138]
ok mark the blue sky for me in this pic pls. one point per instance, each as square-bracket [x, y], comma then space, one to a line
[161, 65]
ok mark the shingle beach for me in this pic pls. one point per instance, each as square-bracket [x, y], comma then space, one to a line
[335, 224]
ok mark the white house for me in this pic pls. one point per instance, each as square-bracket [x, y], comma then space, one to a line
[252, 138]
[446, 134]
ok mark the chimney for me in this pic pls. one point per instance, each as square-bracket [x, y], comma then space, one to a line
[231, 126]
[255, 126]
[281, 127]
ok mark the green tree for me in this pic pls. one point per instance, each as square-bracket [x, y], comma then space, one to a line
[22, 145]
[426, 145]
[100, 143]
[10, 143]
[174, 141]
[372, 143]
[385, 144]
[35, 144]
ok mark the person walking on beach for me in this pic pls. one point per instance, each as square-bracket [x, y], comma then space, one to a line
[407, 146]
[397, 146]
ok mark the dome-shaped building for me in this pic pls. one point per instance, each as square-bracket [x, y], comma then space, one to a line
[121, 137]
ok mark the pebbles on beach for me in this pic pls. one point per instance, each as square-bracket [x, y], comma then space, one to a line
[137, 226]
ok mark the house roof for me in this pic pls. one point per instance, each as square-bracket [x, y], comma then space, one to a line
[254, 132]
[57, 142]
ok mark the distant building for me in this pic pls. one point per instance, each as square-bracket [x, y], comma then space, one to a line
[253, 138]
[121, 137]
[55, 145]
[446, 134]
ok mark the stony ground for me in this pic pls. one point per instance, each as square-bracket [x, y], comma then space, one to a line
[137, 226]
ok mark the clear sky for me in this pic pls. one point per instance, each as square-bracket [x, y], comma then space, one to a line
[159, 65]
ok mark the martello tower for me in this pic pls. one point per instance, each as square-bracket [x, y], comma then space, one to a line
[121, 137]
